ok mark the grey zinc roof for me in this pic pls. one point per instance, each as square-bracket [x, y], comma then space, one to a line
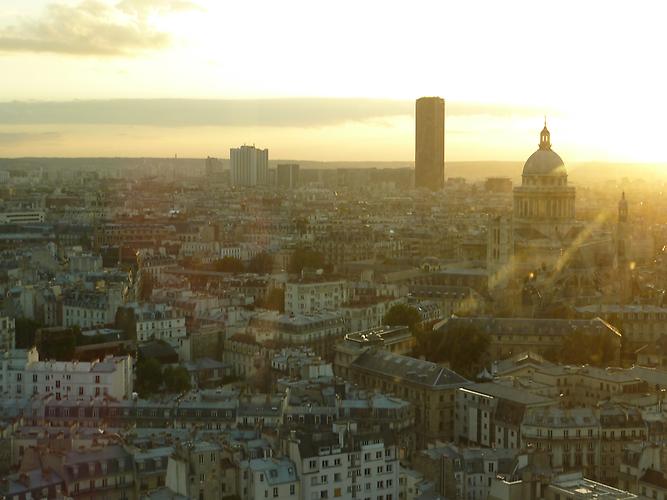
[405, 368]
[530, 326]
[508, 393]
[276, 471]
[558, 417]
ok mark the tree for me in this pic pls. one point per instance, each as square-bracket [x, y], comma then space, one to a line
[463, 346]
[146, 286]
[275, 300]
[404, 315]
[176, 379]
[580, 348]
[262, 263]
[25, 332]
[149, 376]
[262, 380]
[229, 265]
[59, 345]
[305, 257]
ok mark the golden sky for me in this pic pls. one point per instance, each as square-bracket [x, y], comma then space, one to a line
[595, 68]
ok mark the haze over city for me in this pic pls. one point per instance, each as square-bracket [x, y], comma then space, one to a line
[345, 76]
[308, 250]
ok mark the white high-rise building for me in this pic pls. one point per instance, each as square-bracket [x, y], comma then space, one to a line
[249, 166]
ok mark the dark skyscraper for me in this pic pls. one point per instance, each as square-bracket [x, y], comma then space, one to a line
[430, 143]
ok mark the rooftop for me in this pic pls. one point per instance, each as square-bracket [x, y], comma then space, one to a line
[407, 369]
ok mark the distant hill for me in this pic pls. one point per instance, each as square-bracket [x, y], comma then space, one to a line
[583, 173]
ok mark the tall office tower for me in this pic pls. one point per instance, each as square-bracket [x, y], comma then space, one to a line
[430, 143]
[249, 166]
[287, 175]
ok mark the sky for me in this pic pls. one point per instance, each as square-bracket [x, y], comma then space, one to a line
[322, 80]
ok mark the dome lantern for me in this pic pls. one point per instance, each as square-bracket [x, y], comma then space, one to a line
[545, 137]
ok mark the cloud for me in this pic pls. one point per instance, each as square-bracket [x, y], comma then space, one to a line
[143, 7]
[483, 109]
[91, 27]
[12, 138]
[295, 112]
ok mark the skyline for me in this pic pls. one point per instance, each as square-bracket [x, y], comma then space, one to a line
[503, 66]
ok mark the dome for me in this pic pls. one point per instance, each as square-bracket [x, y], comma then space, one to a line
[544, 161]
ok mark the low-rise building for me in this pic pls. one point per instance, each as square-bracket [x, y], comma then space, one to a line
[262, 478]
[490, 414]
[344, 465]
[314, 295]
[197, 470]
[431, 388]
[510, 336]
[469, 472]
[89, 308]
[395, 339]
[318, 331]
[111, 377]
[564, 434]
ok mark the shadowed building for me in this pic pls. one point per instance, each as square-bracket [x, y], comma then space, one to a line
[287, 175]
[430, 143]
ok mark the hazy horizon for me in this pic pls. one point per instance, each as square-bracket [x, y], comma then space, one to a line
[73, 70]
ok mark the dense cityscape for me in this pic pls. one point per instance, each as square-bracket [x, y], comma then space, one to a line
[241, 328]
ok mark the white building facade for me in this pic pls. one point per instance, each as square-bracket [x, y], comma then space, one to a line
[306, 297]
[249, 166]
[23, 375]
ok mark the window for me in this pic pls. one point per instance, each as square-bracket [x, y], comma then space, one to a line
[275, 492]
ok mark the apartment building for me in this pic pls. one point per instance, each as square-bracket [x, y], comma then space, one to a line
[308, 296]
[431, 388]
[111, 377]
[89, 308]
[344, 465]
[262, 478]
[490, 414]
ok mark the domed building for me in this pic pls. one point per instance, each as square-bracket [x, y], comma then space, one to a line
[544, 200]
[542, 224]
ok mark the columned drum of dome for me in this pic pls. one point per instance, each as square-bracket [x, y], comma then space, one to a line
[544, 196]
